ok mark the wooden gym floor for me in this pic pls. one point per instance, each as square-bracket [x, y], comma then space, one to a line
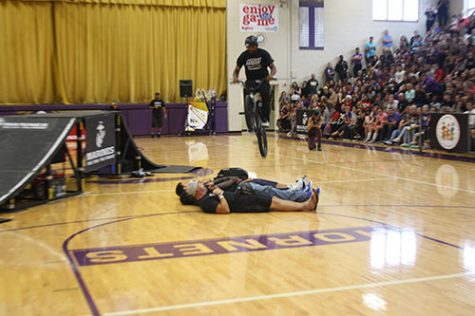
[394, 234]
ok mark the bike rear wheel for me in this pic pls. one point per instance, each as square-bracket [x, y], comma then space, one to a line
[261, 136]
[249, 113]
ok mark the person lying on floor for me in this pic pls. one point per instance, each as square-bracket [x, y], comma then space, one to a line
[252, 197]
[231, 183]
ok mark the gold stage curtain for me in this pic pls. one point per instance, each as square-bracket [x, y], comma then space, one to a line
[26, 53]
[164, 3]
[99, 53]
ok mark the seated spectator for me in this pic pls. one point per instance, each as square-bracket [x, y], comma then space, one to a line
[410, 93]
[390, 124]
[420, 132]
[283, 97]
[293, 118]
[471, 111]
[403, 44]
[305, 90]
[283, 122]
[381, 119]
[295, 92]
[370, 123]
[404, 121]
[332, 124]
[345, 130]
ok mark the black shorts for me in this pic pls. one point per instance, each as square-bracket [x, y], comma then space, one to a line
[157, 118]
[244, 203]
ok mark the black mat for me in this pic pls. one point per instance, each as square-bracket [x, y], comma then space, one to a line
[175, 169]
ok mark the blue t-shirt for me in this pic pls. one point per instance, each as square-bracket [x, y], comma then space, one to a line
[387, 41]
[370, 48]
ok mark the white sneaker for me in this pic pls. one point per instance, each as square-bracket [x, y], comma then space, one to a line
[298, 185]
[265, 124]
[306, 181]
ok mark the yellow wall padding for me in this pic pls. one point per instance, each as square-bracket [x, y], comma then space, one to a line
[60, 51]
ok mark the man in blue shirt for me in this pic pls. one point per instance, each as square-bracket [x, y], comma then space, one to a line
[370, 51]
[387, 42]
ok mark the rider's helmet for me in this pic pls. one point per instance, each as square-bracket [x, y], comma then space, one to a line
[251, 41]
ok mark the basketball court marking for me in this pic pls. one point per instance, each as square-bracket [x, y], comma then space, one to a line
[405, 179]
[180, 212]
[379, 175]
[369, 172]
[291, 294]
[94, 308]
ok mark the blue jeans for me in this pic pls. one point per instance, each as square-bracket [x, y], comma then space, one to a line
[289, 195]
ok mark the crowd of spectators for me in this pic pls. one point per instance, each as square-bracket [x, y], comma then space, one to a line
[384, 98]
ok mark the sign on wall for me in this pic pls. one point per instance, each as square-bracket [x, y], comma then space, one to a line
[259, 18]
[450, 132]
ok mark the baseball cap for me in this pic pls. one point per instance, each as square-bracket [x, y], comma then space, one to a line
[191, 187]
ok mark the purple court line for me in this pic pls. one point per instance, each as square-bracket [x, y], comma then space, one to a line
[158, 214]
[391, 149]
[396, 228]
[75, 268]
[400, 205]
[90, 300]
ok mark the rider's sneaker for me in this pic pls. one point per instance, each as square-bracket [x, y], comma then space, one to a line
[298, 185]
[265, 124]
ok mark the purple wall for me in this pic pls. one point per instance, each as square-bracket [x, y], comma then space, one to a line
[137, 116]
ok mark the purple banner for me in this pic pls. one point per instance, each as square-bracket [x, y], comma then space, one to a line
[193, 248]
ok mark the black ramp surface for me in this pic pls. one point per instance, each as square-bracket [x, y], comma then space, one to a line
[27, 143]
[175, 169]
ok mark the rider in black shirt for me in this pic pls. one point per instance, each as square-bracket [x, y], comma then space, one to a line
[256, 62]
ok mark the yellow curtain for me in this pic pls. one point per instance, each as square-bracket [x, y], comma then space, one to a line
[101, 53]
[163, 3]
[26, 53]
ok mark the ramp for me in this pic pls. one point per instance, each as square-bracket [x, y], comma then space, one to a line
[27, 144]
[30, 143]
[132, 157]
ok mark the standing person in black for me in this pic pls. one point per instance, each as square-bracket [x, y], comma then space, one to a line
[314, 131]
[256, 62]
[159, 112]
[443, 12]
[312, 85]
[431, 14]
[341, 68]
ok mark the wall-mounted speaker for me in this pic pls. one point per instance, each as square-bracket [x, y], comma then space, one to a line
[186, 88]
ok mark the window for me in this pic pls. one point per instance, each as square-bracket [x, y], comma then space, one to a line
[396, 10]
[469, 6]
[311, 24]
